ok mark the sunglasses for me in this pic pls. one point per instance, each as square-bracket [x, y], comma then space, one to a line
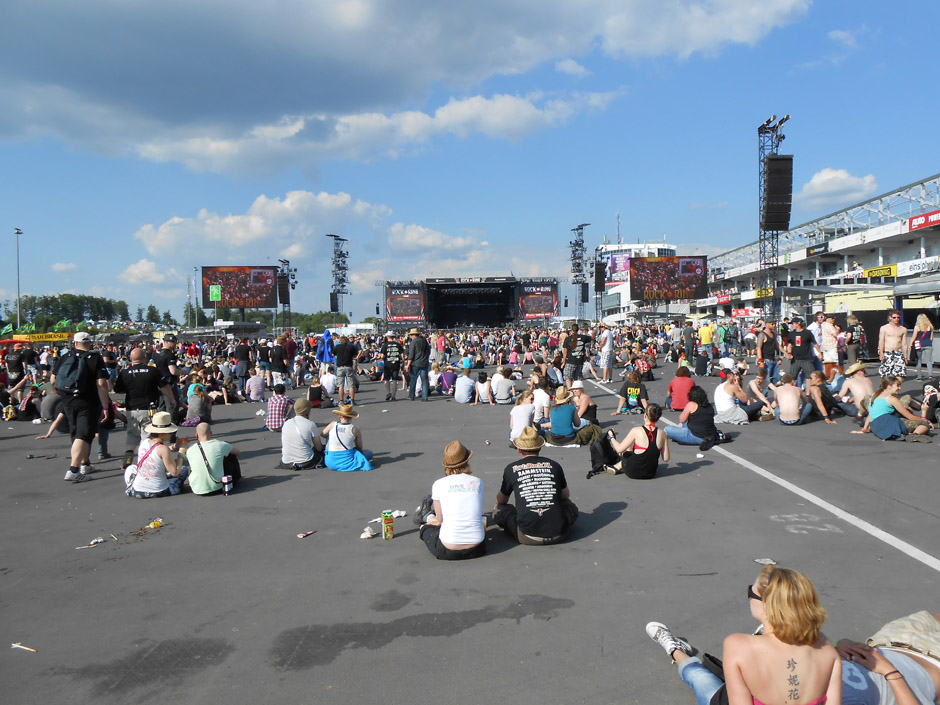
[751, 595]
[895, 318]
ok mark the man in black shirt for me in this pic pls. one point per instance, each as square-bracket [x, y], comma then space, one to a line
[391, 370]
[802, 351]
[143, 386]
[167, 365]
[574, 352]
[345, 354]
[264, 361]
[544, 512]
[419, 358]
[243, 360]
[85, 407]
[16, 371]
[279, 363]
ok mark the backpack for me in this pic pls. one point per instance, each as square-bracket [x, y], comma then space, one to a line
[72, 374]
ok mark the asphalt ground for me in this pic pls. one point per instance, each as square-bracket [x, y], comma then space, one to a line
[225, 604]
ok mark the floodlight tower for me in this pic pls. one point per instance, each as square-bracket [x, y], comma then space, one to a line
[340, 273]
[578, 277]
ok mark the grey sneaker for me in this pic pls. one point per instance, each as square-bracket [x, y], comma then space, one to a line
[73, 476]
[660, 633]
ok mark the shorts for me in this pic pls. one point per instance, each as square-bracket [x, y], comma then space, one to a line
[83, 418]
[345, 377]
[392, 372]
[894, 364]
[831, 356]
[32, 369]
[264, 366]
[607, 360]
[574, 371]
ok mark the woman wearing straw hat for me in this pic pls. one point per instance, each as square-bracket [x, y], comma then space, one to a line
[564, 418]
[159, 469]
[344, 451]
[455, 532]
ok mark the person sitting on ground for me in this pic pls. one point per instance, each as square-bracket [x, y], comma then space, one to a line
[633, 397]
[448, 379]
[254, 386]
[882, 672]
[464, 388]
[564, 419]
[696, 422]
[823, 400]
[641, 448]
[481, 392]
[502, 386]
[790, 661]
[209, 461]
[29, 408]
[540, 386]
[758, 390]
[731, 402]
[301, 443]
[856, 390]
[678, 392]
[793, 406]
[434, 379]
[544, 513]
[316, 394]
[521, 414]
[889, 418]
[328, 380]
[344, 451]
[199, 409]
[159, 471]
[455, 531]
[587, 409]
[279, 406]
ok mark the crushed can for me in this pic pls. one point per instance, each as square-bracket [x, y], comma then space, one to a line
[388, 525]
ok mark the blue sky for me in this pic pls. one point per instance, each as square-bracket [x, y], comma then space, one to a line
[442, 139]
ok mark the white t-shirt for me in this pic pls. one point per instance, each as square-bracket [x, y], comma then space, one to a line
[463, 390]
[461, 498]
[607, 341]
[297, 436]
[328, 382]
[522, 416]
[542, 403]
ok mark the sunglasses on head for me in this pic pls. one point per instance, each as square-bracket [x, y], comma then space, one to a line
[751, 595]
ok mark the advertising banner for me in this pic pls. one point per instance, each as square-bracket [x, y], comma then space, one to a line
[618, 268]
[890, 270]
[404, 303]
[537, 300]
[240, 287]
[668, 278]
[746, 312]
[923, 221]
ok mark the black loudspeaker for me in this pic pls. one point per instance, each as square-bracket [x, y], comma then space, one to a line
[377, 312]
[585, 294]
[283, 289]
[600, 275]
[334, 302]
[778, 192]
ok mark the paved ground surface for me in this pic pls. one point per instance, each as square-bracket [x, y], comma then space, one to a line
[225, 604]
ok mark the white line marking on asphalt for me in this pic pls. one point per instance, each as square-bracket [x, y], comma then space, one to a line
[859, 523]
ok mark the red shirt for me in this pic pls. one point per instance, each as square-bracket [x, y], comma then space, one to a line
[679, 391]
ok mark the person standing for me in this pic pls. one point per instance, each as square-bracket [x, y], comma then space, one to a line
[922, 342]
[280, 363]
[168, 366]
[243, 359]
[802, 351]
[80, 376]
[391, 369]
[345, 354]
[574, 352]
[419, 359]
[892, 343]
[855, 339]
[606, 345]
[767, 350]
[142, 386]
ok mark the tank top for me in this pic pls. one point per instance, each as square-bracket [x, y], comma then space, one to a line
[723, 400]
[642, 466]
[342, 437]
[702, 422]
[879, 407]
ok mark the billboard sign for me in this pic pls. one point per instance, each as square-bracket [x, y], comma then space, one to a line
[668, 278]
[538, 300]
[404, 303]
[618, 268]
[923, 221]
[240, 287]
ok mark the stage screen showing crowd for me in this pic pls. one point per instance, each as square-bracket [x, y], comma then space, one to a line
[668, 278]
[537, 301]
[404, 303]
[242, 287]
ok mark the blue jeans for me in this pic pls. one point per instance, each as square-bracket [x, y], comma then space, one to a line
[707, 350]
[416, 372]
[804, 414]
[682, 434]
[702, 682]
[773, 370]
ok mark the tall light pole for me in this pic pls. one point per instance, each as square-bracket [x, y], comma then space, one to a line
[17, 232]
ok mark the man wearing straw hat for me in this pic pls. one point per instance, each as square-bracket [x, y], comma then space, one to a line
[543, 513]
[856, 390]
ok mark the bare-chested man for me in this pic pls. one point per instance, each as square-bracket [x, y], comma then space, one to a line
[892, 342]
[793, 405]
[856, 390]
[823, 402]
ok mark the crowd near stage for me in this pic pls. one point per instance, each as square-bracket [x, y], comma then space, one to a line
[471, 302]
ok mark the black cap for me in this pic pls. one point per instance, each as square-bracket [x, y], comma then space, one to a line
[170, 338]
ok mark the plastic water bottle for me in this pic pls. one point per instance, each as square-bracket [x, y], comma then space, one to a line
[227, 485]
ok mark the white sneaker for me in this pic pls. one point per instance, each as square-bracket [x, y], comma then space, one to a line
[660, 633]
[73, 476]
[87, 469]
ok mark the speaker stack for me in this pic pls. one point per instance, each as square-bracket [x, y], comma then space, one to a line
[600, 275]
[778, 192]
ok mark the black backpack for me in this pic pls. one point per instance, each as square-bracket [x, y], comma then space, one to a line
[72, 375]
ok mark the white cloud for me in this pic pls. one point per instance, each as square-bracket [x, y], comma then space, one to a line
[325, 79]
[572, 68]
[63, 266]
[834, 188]
[415, 238]
[844, 37]
[147, 271]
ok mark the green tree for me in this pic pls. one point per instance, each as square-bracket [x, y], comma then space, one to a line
[167, 319]
[153, 315]
[140, 314]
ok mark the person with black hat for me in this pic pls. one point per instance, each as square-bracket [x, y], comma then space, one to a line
[543, 513]
[418, 361]
[167, 364]
[455, 530]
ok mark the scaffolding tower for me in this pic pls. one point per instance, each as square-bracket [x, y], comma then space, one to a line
[340, 273]
[578, 277]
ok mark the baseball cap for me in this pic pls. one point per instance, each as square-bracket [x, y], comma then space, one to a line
[170, 338]
[81, 337]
